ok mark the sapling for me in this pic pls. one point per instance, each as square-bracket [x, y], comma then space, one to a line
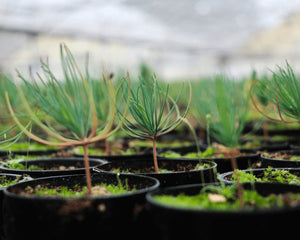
[9, 132]
[152, 112]
[7, 140]
[282, 92]
[70, 103]
[227, 104]
[202, 90]
[263, 100]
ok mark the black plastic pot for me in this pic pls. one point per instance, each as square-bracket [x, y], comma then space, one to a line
[184, 223]
[40, 217]
[32, 152]
[50, 162]
[280, 163]
[10, 177]
[258, 172]
[245, 161]
[269, 145]
[273, 130]
[3, 155]
[167, 179]
[111, 158]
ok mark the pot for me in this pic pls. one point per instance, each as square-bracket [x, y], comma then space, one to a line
[258, 172]
[167, 178]
[280, 163]
[183, 223]
[245, 161]
[50, 162]
[10, 177]
[32, 152]
[268, 145]
[50, 217]
[111, 158]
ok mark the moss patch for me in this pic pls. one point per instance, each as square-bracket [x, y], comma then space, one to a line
[225, 198]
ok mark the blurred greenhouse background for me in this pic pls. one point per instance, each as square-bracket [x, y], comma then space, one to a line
[177, 39]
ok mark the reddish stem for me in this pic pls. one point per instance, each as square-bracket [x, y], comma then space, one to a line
[107, 147]
[155, 156]
[87, 169]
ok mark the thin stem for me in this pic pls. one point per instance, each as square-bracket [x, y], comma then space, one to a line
[238, 183]
[87, 169]
[155, 156]
[107, 147]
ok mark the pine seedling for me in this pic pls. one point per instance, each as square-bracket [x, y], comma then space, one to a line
[227, 105]
[282, 92]
[70, 103]
[7, 139]
[152, 112]
[262, 99]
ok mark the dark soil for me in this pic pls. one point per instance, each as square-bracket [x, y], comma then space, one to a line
[162, 166]
[281, 155]
[54, 166]
[61, 167]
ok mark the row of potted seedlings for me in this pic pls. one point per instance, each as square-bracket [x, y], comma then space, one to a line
[167, 192]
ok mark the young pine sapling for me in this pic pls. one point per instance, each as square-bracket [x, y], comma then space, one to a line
[282, 93]
[70, 104]
[227, 104]
[152, 112]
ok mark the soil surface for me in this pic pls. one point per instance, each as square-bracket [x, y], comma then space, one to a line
[49, 190]
[282, 156]
[163, 167]
[53, 166]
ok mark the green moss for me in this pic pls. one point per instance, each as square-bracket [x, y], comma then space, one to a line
[269, 175]
[295, 158]
[245, 177]
[4, 181]
[280, 176]
[224, 199]
[29, 146]
[15, 164]
[101, 152]
[79, 191]
[209, 152]
[162, 144]
[160, 170]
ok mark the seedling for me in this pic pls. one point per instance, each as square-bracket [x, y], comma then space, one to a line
[9, 134]
[71, 104]
[5, 141]
[152, 112]
[283, 94]
[226, 105]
